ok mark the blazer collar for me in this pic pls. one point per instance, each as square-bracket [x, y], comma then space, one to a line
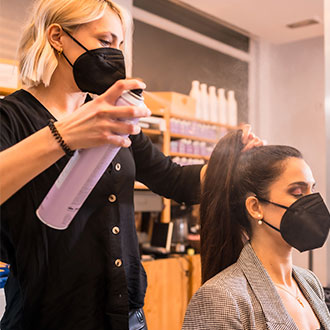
[264, 290]
[266, 293]
[314, 300]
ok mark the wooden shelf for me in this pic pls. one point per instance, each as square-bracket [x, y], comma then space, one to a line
[177, 154]
[185, 117]
[192, 137]
[150, 131]
[6, 91]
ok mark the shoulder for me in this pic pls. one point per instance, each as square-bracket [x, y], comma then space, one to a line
[215, 304]
[311, 279]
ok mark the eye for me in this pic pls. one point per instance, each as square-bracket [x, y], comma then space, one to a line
[105, 43]
[296, 192]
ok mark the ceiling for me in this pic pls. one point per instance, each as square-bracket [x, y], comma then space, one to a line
[266, 19]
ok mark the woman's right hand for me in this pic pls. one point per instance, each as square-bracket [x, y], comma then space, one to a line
[100, 122]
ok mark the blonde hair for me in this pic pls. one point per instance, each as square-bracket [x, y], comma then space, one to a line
[37, 58]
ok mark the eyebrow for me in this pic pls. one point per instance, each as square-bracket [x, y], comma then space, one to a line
[113, 35]
[302, 183]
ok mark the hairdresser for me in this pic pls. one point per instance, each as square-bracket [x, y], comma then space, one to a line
[88, 276]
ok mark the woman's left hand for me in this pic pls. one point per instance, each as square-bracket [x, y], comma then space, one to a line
[249, 139]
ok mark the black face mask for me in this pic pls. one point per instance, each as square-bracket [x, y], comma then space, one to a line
[96, 70]
[305, 223]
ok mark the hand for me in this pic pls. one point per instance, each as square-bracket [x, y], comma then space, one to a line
[100, 122]
[249, 139]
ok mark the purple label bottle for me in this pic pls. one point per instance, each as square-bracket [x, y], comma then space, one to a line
[80, 176]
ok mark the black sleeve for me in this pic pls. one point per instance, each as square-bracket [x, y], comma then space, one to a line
[8, 127]
[161, 175]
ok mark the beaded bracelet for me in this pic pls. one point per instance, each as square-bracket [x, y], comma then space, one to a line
[59, 138]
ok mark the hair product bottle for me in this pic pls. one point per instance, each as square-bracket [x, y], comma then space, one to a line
[195, 94]
[204, 102]
[80, 175]
[222, 107]
[213, 104]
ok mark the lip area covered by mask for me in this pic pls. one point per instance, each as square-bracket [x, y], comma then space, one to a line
[98, 69]
[305, 224]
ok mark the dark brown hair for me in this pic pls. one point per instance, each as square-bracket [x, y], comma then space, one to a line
[232, 176]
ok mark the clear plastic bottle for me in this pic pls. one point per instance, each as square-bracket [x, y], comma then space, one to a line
[195, 94]
[232, 108]
[213, 104]
[80, 175]
[222, 107]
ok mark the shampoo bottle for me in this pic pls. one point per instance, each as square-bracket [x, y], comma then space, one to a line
[213, 104]
[222, 107]
[195, 94]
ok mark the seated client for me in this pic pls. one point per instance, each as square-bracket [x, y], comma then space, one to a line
[256, 207]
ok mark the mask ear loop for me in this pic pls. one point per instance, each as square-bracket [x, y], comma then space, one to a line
[263, 220]
[76, 41]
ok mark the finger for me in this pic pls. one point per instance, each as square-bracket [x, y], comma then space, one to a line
[113, 93]
[124, 128]
[253, 143]
[119, 141]
[246, 132]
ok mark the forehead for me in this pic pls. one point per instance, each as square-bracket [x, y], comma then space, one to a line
[295, 170]
[108, 23]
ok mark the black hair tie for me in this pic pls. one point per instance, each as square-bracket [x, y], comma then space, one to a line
[59, 138]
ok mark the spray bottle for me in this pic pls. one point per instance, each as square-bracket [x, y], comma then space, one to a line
[80, 175]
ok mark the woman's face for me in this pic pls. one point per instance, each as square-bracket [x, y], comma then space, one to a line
[104, 32]
[296, 181]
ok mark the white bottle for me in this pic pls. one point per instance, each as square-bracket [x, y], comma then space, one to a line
[213, 104]
[195, 94]
[232, 109]
[204, 102]
[222, 107]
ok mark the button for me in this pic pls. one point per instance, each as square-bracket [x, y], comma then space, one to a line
[115, 230]
[118, 263]
[118, 167]
[112, 198]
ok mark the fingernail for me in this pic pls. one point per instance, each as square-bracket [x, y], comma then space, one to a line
[136, 129]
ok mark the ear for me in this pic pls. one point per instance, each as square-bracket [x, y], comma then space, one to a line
[254, 208]
[54, 35]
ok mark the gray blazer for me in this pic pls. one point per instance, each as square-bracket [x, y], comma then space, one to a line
[244, 297]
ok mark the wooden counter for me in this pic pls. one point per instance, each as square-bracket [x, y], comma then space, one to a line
[171, 284]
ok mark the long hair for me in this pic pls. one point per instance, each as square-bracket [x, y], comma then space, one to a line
[37, 58]
[232, 176]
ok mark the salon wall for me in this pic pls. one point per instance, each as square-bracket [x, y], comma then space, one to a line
[290, 110]
[13, 15]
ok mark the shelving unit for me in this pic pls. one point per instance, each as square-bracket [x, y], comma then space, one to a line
[6, 91]
[163, 109]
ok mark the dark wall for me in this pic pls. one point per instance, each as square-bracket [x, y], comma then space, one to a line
[167, 62]
[195, 20]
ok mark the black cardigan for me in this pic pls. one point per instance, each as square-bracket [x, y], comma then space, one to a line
[68, 279]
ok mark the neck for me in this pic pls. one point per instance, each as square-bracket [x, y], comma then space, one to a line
[61, 97]
[277, 258]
